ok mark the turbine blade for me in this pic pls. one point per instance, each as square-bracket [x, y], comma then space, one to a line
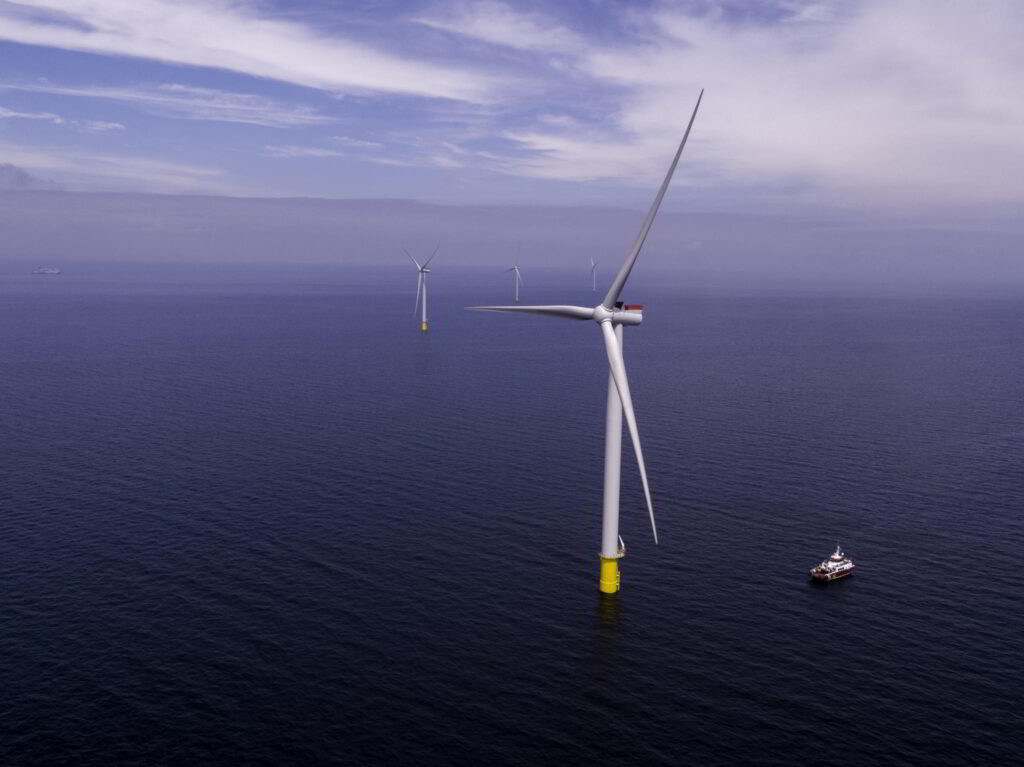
[412, 259]
[565, 312]
[431, 256]
[627, 266]
[419, 290]
[510, 269]
[618, 369]
[519, 277]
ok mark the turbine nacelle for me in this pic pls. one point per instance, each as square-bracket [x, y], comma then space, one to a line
[620, 315]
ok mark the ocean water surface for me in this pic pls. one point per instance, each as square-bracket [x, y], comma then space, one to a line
[275, 524]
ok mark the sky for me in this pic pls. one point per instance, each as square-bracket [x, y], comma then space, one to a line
[881, 113]
[892, 102]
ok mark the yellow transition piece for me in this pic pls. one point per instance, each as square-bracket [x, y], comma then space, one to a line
[610, 574]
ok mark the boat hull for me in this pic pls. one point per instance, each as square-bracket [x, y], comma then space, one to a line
[832, 576]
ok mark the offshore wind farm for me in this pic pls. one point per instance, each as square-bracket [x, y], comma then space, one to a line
[253, 513]
[384, 543]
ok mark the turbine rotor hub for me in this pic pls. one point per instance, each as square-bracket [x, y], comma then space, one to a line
[620, 315]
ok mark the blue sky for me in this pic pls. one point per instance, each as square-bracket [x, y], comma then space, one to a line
[897, 106]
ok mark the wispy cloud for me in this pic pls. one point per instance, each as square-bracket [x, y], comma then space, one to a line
[355, 143]
[100, 126]
[10, 114]
[500, 24]
[901, 100]
[105, 172]
[291, 150]
[570, 157]
[89, 126]
[346, 147]
[881, 102]
[14, 178]
[191, 103]
[234, 36]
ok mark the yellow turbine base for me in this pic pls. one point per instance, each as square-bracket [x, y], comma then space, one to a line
[610, 578]
[423, 327]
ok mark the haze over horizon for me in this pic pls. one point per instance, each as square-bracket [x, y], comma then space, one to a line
[697, 250]
[837, 140]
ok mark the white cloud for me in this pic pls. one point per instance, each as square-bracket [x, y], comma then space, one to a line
[10, 114]
[356, 143]
[833, 101]
[100, 126]
[234, 36]
[291, 150]
[295, 150]
[191, 103]
[90, 126]
[569, 157]
[894, 101]
[499, 24]
[99, 172]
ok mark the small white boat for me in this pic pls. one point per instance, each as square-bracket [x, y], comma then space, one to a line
[836, 566]
[46, 270]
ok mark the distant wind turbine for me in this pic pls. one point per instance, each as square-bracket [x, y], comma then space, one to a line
[518, 278]
[593, 274]
[421, 286]
[612, 315]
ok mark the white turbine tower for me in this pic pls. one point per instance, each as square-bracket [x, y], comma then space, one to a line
[518, 278]
[421, 286]
[593, 275]
[611, 315]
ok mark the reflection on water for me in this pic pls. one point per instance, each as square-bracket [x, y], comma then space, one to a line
[609, 616]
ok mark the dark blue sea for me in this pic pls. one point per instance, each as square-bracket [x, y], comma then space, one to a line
[265, 521]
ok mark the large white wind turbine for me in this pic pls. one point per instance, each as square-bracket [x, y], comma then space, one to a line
[611, 315]
[421, 286]
[593, 275]
[518, 278]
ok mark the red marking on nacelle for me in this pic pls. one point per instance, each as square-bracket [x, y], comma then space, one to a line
[634, 307]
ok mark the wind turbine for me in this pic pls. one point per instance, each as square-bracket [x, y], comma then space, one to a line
[611, 316]
[421, 286]
[518, 278]
[593, 275]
